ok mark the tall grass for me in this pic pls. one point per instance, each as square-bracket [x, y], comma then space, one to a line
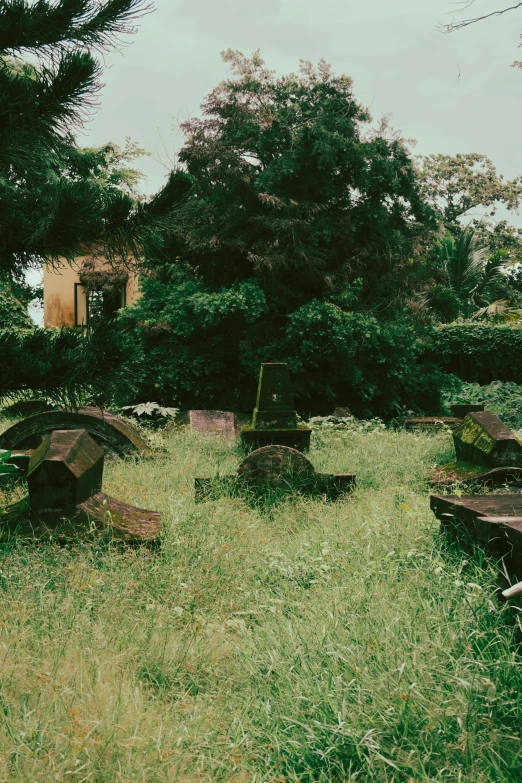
[301, 642]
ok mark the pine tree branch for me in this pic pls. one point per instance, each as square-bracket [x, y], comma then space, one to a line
[46, 27]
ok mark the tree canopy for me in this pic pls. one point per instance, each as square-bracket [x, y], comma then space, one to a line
[303, 231]
[294, 188]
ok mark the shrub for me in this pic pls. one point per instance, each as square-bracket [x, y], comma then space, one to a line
[479, 352]
[504, 399]
[67, 367]
[203, 349]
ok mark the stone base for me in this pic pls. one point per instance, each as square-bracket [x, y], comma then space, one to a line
[298, 438]
[331, 485]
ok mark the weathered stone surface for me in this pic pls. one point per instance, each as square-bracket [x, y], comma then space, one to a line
[64, 471]
[65, 478]
[274, 421]
[275, 400]
[123, 521]
[493, 521]
[213, 422]
[430, 422]
[461, 410]
[483, 439]
[277, 468]
[110, 431]
[276, 465]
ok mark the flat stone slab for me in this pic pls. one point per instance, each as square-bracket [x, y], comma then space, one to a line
[430, 422]
[467, 472]
[112, 433]
[277, 468]
[213, 422]
[483, 439]
[494, 521]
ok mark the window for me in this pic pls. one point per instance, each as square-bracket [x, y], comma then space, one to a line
[90, 306]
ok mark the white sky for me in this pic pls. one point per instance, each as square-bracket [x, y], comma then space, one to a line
[452, 93]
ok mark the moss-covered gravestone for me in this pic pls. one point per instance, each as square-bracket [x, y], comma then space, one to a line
[65, 479]
[483, 439]
[274, 420]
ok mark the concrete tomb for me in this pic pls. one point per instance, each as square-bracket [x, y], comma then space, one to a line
[65, 480]
[274, 420]
[277, 468]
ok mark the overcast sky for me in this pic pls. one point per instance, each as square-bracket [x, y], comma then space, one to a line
[452, 93]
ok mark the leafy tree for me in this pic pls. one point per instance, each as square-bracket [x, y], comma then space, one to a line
[296, 212]
[293, 189]
[455, 185]
[50, 204]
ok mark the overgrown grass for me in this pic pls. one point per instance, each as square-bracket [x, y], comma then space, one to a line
[305, 642]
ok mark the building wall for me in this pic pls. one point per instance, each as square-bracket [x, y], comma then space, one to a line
[59, 295]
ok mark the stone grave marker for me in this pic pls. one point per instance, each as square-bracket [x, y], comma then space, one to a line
[483, 439]
[213, 422]
[274, 420]
[281, 468]
[65, 470]
[111, 432]
[65, 479]
[342, 413]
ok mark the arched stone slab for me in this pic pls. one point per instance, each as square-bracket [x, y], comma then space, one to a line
[111, 432]
[276, 465]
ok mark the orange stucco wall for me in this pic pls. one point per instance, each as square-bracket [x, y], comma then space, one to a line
[58, 288]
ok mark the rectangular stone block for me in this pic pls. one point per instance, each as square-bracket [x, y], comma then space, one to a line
[482, 438]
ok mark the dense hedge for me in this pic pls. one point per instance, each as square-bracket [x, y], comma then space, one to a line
[479, 352]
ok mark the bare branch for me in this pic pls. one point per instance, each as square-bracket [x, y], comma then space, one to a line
[450, 28]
